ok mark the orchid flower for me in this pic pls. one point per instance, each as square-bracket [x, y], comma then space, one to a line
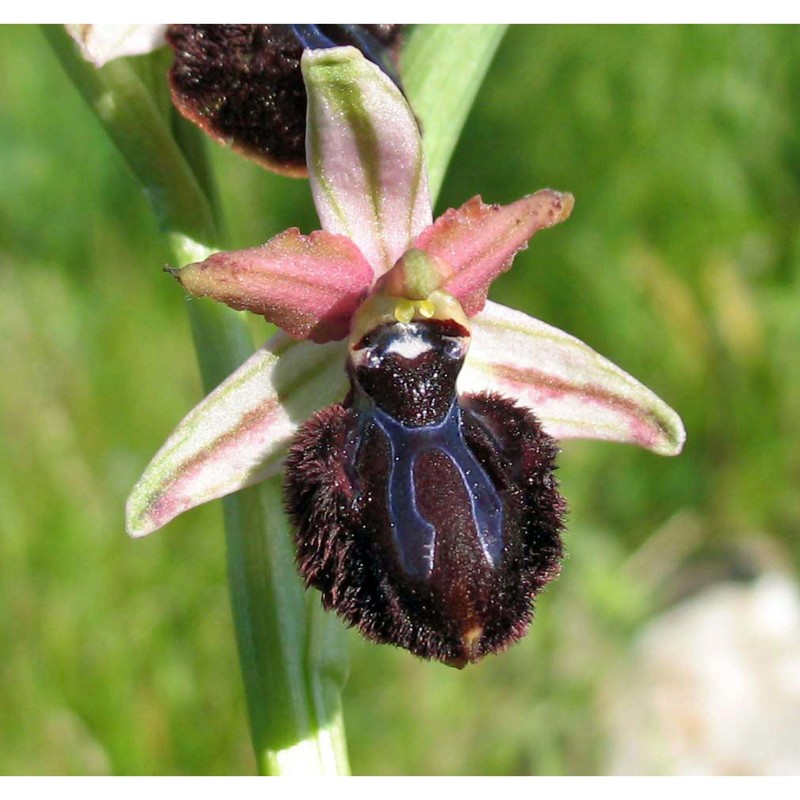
[241, 84]
[426, 514]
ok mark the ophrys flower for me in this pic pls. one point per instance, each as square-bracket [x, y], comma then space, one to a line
[425, 504]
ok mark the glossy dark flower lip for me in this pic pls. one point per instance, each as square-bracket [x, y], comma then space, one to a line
[428, 518]
[370, 188]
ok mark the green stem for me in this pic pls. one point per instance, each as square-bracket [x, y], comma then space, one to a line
[443, 68]
[293, 696]
[293, 670]
[133, 119]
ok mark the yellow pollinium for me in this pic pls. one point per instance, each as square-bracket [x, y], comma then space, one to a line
[406, 310]
[407, 293]
[380, 309]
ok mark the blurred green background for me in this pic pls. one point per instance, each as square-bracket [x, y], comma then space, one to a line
[680, 263]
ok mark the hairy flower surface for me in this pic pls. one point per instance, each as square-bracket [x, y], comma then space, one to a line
[420, 419]
[242, 84]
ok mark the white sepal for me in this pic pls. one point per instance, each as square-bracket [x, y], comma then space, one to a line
[574, 391]
[364, 155]
[103, 43]
[239, 433]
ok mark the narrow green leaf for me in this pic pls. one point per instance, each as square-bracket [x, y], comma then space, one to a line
[443, 67]
[124, 105]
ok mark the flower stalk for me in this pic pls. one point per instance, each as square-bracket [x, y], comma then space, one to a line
[291, 653]
[292, 689]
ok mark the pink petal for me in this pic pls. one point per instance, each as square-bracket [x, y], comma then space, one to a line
[480, 241]
[364, 155]
[574, 391]
[238, 435]
[308, 285]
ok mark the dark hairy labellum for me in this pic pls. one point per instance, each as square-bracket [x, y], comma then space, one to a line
[427, 519]
[242, 83]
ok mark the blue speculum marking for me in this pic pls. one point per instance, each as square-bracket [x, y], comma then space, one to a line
[414, 535]
[311, 37]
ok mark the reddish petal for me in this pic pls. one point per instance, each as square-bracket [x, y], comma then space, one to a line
[308, 285]
[480, 241]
